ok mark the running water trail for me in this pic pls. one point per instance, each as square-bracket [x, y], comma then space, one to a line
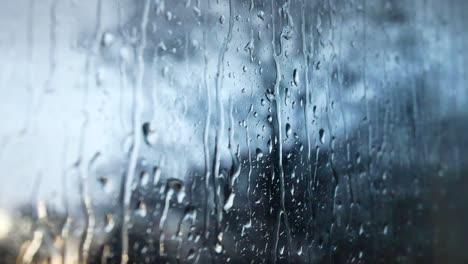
[137, 108]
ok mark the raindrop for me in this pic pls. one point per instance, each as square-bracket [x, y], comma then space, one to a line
[259, 154]
[141, 209]
[385, 231]
[322, 135]
[125, 54]
[191, 254]
[144, 178]
[178, 187]
[107, 39]
[110, 223]
[156, 175]
[295, 77]
[105, 183]
[288, 130]
[218, 248]
[169, 16]
[299, 252]
[261, 15]
[229, 202]
[358, 158]
[150, 133]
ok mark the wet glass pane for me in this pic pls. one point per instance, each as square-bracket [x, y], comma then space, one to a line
[229, 131]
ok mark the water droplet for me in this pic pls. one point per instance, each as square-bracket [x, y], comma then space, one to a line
[169, 16]
[218, 248]
[261, 15]
[105, 183]
[144, 178]
[299, 252]
[125, 54]
[322, 135]
[177, 186]
[259, 154]
[222, 19]
[110, 223]
[229, 202]
[149, 133]
[385, 231]
[358, 158]
[156, 175]
[288, 130]
[107, 39]
[191, 254]
[295, 77]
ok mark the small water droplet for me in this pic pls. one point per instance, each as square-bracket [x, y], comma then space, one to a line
[259, 154]
[105, 183]
[261, 15]
[299, 252]
[229, 202]
[295, 77]
[178, 186]
[141, 209]
[288, 130]
[385, 231]
[222, 19]
[144, 178]
[149, 133]
[107, 39]
[168, 16]
[125, 54]
[156, 175]
[191, 254]
[110, 223]
[218, 248]
[322, 135]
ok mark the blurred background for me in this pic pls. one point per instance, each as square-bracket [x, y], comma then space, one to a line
[228, 131]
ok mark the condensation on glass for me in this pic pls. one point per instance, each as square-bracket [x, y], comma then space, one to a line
[228, 131]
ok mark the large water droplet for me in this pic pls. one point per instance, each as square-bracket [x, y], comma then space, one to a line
[141, 209]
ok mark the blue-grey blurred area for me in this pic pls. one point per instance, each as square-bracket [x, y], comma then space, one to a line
[229, 131]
